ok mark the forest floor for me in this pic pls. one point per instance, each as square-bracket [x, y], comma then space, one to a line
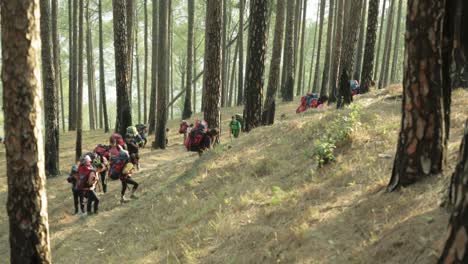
[261, 198]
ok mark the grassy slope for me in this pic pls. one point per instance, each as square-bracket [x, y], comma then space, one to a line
[260, 199]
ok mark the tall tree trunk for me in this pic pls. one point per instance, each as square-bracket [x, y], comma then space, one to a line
[145, 74]
[268, 115]
[213, 54]
[256, 68]
[288, 88]
[72, 104]
[170, 61]
[194, 73]
[240, 43]
[368, 63]
[79, 119]
[233, 77]
[224, 54]
[420, 150]
[349, 48]
[337, 51]
[130, 11]
[297, 30]
[90, 68]
[57, 66]
[154, 72]
[102, 79]
[124, 113]
[387, 47]
[163, 81]
[27, 200]
[137, 62]
[300, 85]
[379, 41]
[311, 72]
[319, 47]
[326, 67]
[396, 46]
[187, 112]
[360, 47]
[49, 85]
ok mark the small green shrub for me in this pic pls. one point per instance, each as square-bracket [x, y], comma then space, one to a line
[337, 132]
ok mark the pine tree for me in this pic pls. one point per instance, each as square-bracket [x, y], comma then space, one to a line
[79, 116]
[145, 74]
[154, 72]
[288, 59]
[379, 41]
[396, 46]
[326, 67]
[49, 84]
[90, 68]
[187, 112]
[387, 48]
[256, 67]
[240, 43]
[300, 82]
[102, 79]
[73, 86]
[360, 47]
[27, 199]
[319, 47]
[57, 65]
[212, 76]
[369, 51]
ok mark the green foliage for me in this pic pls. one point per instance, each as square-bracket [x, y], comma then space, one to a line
[338, 132]
[278, 195]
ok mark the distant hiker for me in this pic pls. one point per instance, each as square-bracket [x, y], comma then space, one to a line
[355, 87]
[126, 178]
[196, 138]
[73, 178]
[132, 145]
[185, 128]
[211, 139]
[311, 100]
[240, 118]
[88, 178]
[142, 132]
[235, 127]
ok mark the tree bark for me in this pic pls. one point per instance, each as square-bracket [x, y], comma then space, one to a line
[233, 77]
[420, 149]
[27, 199]
[387, 48]
[326, 67]
[49, 85]
[335, 72]
[297, 30]
[240, 43]
[288, 61]
[72, 94]
[102, 78]
[137, 64]
[396, 47]
[313, 47]
[368, 63]
[79, 118]
[130, 10]
[349, 48]
[57, 66]
[268, 115]
[187, 112]
[212, 78]
[124, 114]
[379, 42]
[319, 46]
[145, 74]
[360, 48]
[154, 72]
[256, 67]
[90, 68]
[300, 84]
[163, 82]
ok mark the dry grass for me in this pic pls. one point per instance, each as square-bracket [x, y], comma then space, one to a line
[260, 199]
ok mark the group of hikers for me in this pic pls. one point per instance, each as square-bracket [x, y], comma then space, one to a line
[314, 100]
[118, 161]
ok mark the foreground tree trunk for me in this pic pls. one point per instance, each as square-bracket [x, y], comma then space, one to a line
[154, 72]
[163, 81]
[256, 68]
[268, 116]
[102, 77]
[124, 113]
[349, 48]
[288, 60]
[212, 78]
[79, 115]
[369, 50]
[319, 47]
[240, 43]
[49, 85]
[456, 245]
[187, 112]
[326, 67]
[337, 52]
[27, 200]
[420, 149]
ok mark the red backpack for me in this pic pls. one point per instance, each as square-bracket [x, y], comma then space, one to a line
[102, 150]
[119, 139]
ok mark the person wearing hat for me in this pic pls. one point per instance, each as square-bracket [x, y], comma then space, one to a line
[73, 179]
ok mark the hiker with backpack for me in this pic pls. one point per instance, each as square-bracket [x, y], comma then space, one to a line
[185, 128]
[311, 100]
[126, 178]
[142, 133]
[78, 198]
[88, 178]
[235, 127]
[115, 148]
[102, 153]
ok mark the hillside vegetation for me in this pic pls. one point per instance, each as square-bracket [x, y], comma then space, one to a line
[263, 198]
